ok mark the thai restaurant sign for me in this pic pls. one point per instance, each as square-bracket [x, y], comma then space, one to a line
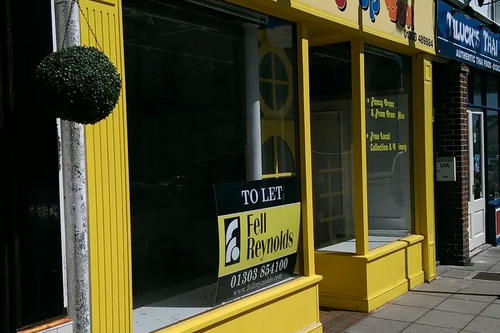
[466, 39]
[409, 21]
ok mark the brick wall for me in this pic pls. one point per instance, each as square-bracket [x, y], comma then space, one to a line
[450, 129]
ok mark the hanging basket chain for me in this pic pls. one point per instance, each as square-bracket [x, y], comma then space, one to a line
[71, 8]
[68, 21]
[90, 28]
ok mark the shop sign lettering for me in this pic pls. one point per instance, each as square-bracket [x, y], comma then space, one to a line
[259, 225]
[466, 39]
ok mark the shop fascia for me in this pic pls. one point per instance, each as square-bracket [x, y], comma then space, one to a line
[399, 11]
[467, 39]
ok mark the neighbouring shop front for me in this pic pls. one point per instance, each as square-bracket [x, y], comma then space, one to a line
[466, 132]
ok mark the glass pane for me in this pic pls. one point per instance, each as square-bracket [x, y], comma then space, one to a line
[266, 94]
[492, 156]
[389, 148]
[492, 92]
[331, 142]
[278, 97]
[266, 67]
[470, 91]
[477, 88]
[268, 156]
[32, 212]
[29, 180]
[185, 133]
[477, 142]
[187, 130]
[281, 91]
[285, 157]
[280, 69]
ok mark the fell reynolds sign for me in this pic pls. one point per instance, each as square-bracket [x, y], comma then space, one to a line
[409, 21]
[259, 225]
[466, 39]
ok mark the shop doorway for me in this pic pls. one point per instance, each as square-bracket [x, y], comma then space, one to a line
[477, 202]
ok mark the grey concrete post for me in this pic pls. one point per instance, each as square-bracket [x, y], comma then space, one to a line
[73, 174]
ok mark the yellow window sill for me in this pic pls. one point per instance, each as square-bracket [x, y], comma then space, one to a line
[236, 308]
[381, 251]
[393, 247]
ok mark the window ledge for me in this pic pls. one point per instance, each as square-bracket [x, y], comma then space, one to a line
[233, 309]
[413, 239]
[393, 247]
[52, 327]
[377, 252]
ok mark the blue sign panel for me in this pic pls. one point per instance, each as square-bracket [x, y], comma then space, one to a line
[466, 39]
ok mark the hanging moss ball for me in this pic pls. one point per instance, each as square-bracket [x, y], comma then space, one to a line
[79, 84]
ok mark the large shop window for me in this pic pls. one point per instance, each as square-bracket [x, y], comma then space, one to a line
[389, 145]
[31, 258]
[331, 142]
[189, 71]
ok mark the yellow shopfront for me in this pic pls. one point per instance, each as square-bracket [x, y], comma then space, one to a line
[371, 137]
[232, 104]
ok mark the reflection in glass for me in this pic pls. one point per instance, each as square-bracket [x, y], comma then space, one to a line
[331, 142]
[389, 147]
[186, 93]
[478, 168]
[268, 160]
[477, 88]
[492, 91]
[31, 263]
[492, 155]
[33, 207]
[277, 99]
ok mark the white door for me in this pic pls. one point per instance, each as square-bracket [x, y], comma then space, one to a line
[477, 203]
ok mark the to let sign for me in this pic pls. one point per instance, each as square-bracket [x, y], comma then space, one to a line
[259, 226]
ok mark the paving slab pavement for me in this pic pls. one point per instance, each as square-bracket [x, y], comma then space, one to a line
[455, 302]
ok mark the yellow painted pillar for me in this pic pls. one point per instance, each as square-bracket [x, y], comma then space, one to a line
[424, 161]
[359, 146]
[305, 150]
[108, 183]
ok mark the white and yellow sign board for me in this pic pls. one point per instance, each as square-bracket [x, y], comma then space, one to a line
[259, 226]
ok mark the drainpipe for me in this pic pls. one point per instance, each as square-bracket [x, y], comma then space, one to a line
[73, 174]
